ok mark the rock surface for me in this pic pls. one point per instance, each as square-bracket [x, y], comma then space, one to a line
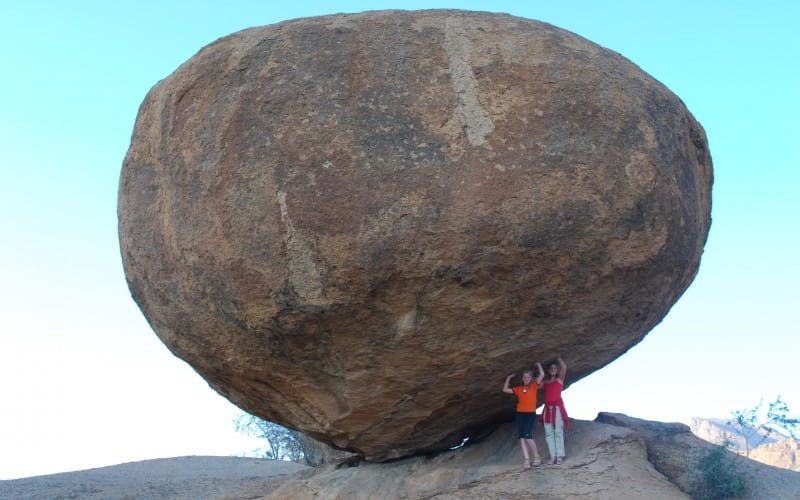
[317, 453]
[674, 451]
[189, 478]
[357, 225]
[603, 461]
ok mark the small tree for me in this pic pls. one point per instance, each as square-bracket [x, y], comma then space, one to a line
[716, 475]
[282, 443]
[746, 425]
[750, 422]
[778, 416]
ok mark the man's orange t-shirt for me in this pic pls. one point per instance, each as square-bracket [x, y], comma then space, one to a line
[526, 400]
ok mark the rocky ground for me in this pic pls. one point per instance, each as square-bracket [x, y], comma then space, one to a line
[190, 478]
[614, 456]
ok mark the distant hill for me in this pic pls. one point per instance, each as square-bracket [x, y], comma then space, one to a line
[774, 449]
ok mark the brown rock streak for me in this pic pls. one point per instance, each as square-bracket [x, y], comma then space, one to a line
[477, 124]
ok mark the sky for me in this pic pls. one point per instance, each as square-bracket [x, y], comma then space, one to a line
[84, 382]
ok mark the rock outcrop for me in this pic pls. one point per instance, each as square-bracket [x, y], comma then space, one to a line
[784, 453]
[675, 452]
[603, 461]
[615, 456]
[357, 225]
[719, 430]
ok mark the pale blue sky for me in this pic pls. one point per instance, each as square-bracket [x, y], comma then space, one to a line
[85, 383]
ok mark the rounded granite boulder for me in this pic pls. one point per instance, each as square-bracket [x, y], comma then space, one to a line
[358, 225]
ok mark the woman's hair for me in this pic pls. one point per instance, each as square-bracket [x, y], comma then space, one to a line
[528, 372]
[551, 376]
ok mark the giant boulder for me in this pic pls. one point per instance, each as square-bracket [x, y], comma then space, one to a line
[357, 225]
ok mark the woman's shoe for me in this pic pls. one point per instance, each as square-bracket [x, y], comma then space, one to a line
[526, 464]
[537, 461]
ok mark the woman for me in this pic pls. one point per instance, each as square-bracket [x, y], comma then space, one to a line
[526, 412]
[554, 415]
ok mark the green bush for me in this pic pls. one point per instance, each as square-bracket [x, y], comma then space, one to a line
[716, 475]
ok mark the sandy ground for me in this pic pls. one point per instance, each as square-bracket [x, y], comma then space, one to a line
[195, 478]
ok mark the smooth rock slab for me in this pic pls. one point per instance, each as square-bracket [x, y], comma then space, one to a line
[357, 225]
